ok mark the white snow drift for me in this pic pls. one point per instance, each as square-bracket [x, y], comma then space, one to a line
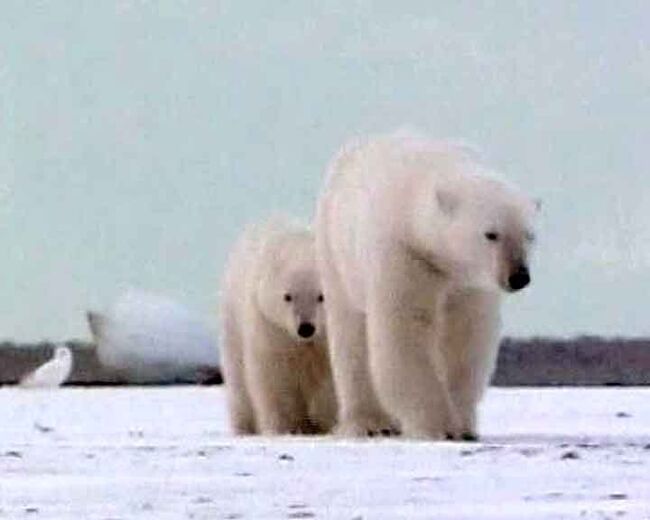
[151, 338]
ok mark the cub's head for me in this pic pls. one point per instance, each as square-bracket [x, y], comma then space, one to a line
[290, 293]
[483, 233]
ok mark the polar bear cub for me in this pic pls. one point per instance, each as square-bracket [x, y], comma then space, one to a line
[274, 346]
[416, 241]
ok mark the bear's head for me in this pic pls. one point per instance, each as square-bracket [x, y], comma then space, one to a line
[482, 233]
[289, 291]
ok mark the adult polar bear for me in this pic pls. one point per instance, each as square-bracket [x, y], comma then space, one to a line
[415, 239]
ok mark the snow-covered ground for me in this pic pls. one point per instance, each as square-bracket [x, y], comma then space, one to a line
[165, 453]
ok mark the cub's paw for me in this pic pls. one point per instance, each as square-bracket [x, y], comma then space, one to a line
[428, 432]
[463, 436]
[469, 437]
[366, 427]
[384, 432]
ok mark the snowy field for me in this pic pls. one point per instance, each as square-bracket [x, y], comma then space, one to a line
[165, 453]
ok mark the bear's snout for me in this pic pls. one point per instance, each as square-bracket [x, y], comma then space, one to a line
[519, 279]
[306, 330]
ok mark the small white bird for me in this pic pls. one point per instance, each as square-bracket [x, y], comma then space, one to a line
[52, 373]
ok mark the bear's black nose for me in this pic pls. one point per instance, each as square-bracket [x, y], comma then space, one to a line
[306, 330]
[519, 279]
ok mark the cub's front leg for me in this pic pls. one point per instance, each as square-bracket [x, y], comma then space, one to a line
[242, 415]
[271, 378]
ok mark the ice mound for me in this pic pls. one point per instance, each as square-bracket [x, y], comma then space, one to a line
[149, 338]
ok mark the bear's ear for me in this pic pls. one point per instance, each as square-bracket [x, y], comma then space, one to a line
[448, 201]
[537, 203]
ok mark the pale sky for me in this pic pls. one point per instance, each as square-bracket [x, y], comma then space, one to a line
[137, 138]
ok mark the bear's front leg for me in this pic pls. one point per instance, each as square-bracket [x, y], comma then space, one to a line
[470, 347]
[242, 417]
[407, 366]
[272, 380]
[275, 396]
[360, 414]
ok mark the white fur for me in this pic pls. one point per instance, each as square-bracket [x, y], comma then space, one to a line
[277, 382]
[413, 284]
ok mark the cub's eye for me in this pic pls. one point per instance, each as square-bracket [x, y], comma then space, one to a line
[492, 236]
[321, 298]
[530, 236]
[287, 297]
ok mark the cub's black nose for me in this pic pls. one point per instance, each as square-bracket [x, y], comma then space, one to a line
[519, 279]
[306, 330]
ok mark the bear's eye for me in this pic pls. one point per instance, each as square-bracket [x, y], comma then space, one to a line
[492, 236]
[287, 297]
[321, 298]
[530, 236]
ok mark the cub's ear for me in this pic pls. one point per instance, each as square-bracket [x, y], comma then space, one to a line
[448, 202]
[537, 204]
